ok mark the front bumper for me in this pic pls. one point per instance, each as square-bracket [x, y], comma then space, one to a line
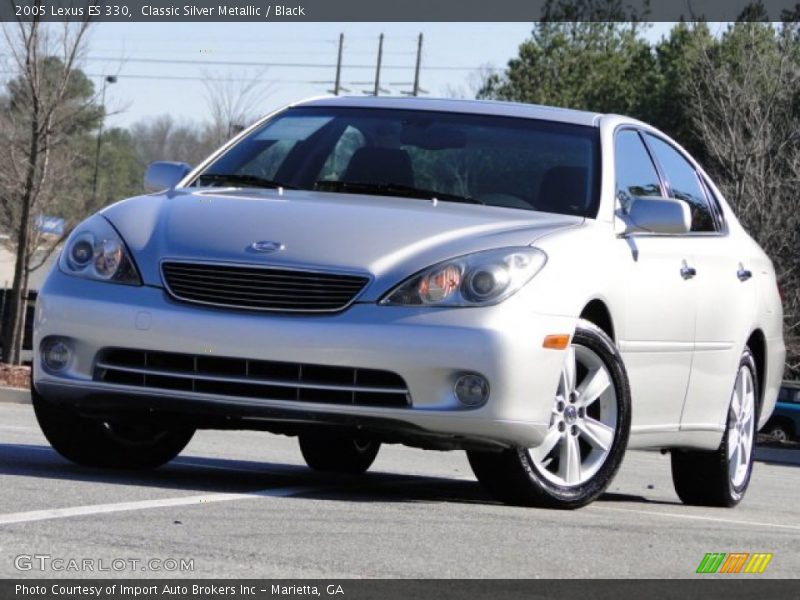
[428, 348]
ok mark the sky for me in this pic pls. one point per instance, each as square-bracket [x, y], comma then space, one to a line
[147, 86]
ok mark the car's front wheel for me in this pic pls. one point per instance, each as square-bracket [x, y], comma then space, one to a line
[338, 452]
[720, 477]
[584, 446]
[117, 444]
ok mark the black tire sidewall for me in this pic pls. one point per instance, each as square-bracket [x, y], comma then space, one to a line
[337, 453]
[597, 341]
[86, 441]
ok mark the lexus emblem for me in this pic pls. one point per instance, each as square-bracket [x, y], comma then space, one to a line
[266, 247]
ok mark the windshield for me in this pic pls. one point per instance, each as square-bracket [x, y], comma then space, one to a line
[497, 161]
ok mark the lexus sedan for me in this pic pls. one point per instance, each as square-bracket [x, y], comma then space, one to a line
[542, 288]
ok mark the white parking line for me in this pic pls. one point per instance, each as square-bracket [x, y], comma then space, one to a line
[98, 509]
[655, 513]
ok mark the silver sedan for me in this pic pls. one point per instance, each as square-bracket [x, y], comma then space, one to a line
[542, 288]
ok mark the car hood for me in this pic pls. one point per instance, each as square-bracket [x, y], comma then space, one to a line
[386, 238]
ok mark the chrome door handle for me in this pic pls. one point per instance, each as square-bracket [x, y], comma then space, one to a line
[743, 274]
[688, 272]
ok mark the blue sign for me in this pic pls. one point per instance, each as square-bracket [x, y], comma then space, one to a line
[53, 225]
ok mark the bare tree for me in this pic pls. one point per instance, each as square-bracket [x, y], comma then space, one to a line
[744, 98]
[477, 80]
[164, 138]
[36, 119]
[233, 104]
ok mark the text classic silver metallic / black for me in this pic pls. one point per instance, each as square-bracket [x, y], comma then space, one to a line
[542, 288]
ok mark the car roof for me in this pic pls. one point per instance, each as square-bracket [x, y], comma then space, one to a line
[478, 107]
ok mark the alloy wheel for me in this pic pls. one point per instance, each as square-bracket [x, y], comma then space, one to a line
[583, 421]
[741, 427]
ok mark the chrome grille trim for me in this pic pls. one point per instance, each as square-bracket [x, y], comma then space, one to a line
[253, 379]
[260, 287]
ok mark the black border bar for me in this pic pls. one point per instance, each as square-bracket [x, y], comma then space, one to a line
[733, 587]
[392, 10]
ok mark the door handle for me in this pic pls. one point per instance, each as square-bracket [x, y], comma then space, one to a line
[688, 272]
[743, 274]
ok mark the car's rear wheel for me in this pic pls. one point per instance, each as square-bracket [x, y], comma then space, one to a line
[584, 446]
[720, 477]
[114, 444]
[337, 452]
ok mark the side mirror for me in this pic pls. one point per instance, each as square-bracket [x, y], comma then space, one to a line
[164, 175]
[657, 215]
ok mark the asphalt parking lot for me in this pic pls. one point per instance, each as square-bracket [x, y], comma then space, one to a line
[242, 504]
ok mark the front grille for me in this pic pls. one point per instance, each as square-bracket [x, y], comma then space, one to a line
[261, 288]
[258, 379]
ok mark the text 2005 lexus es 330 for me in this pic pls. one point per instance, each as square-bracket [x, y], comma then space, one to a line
[542, 288]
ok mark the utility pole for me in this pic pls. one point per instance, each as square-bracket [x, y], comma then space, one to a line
[417, 90]
[106, 80]
[337, 85]
[377, 89]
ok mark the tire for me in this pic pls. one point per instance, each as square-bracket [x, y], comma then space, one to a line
[718, 477]
[338, 453]
[543, 476]
[106, 444]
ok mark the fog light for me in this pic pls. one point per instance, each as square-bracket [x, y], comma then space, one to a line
[56, 355]
[472, 390]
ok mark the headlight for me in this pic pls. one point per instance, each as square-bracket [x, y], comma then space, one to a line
[473, 280]
[96, 251]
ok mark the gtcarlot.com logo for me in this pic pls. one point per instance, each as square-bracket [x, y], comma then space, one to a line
[46, 562]
[734, 562]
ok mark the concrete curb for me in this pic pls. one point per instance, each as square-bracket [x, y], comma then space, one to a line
[783, 456]
[12, 395]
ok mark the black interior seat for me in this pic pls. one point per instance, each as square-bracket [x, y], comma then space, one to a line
[380, 166]
[564, 190]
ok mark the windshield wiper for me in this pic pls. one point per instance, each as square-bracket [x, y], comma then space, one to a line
[245, 180]
[391, 189]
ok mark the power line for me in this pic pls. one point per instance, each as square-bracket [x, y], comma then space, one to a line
[282, 52]
[278, 40]
[294, 65]
[220, 79]
[122, 76]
